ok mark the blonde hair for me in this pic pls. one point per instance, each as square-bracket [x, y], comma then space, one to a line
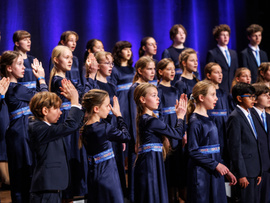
[140, 65]
[43, 99]
[102, 54]
[57, 51]
[201, 88]
[141, 91]
[237, 74]
[262, 68]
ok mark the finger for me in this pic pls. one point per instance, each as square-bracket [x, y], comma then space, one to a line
[111, 107]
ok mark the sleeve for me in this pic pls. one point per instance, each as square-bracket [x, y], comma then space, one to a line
[234, 146]
[53, 132]
[210, 57]
[194, 131]
[181, 87]
[23, 93]
[243, 60]
[114, 76]
[160, 128]
[166, 54]
[119, 134]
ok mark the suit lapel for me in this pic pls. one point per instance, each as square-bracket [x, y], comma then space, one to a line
[251, 55]
[257, 117]
[221, 55]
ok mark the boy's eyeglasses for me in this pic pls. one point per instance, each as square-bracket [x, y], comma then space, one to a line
[252, 97]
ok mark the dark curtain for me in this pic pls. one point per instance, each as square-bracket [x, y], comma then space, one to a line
[131, 20]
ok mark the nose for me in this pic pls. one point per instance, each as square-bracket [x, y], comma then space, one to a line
[23, 67]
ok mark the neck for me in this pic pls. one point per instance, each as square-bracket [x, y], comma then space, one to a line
[224, 46]
[60, 73]
[148, 111]
[101, 78]
[140, 81]
[149, 55]
[187, 74]
[216, 85]
[200, 110]
[261, 108]
[254, 45]
[124, 62]
[178, 45]
[94, 118]
[13, 79]
[24, 54]
[165, 83]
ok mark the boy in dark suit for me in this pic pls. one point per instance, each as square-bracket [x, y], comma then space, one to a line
[253, 56]
[262, 124]
[243, 146]
[226, 58]
[51, 174]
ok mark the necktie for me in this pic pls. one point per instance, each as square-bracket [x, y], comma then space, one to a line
[228, 57]
[252, 124]
[258, 57]
[264, 121]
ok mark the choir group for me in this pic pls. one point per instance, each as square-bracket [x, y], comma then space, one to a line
[107, 131]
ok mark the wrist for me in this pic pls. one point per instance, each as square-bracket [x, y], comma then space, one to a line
[41, 78]
[2, 96]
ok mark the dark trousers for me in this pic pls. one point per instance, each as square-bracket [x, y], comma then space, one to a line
[46, 196]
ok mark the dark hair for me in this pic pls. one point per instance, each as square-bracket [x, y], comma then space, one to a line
[143, 43]
[219, 28]
[19, 35]
[43, 99]
[174, 30]
[254, 28]
[162, 64]
[117, 49]
[65, 35]
[260, 88]
[241, 89]
[208, 68]
[7, 58]
[262, 68]
[89, 46]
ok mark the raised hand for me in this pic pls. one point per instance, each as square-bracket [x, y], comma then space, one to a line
[116, 107]
[69, 91]
[4, 84]
[38, 70]
[91, 63]
[181, 106]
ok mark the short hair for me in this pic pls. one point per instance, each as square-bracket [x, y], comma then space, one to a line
[19, 35]
[254, 28]
[174, 30]
[43, 99]
[260, 88]
[241, 89]
[117, 49]
[65, 36]
[219, 28]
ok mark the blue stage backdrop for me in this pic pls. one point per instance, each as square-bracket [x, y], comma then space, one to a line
[131, 20]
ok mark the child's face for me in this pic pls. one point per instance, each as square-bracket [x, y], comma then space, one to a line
[180, 37]
[24, 44]
[192, 63]
[53, 114]
[151, 99]
[168, 73]
[247, 102]
[151, 47]
[216, 75]
[209, 101]
[126, 53]
[105, 66]
[244, 77]
[224, 38]
[263, 101]
[65, 60]
[98, 47]
[17, 68]
[148, 73]
[255, 39]
[71, 42]
[104, 109]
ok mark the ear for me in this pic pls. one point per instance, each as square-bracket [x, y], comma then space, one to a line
[184, 63]
[201, 98]
[261, 73]
[9, 69]
[55, 59]
[143, 48]
[16, 44]
[239, 99]
[96, 109]
[140, 71]
[62, 42]
[237, 79]
[248, 38]
[45, 111]
[160, 72]
[142, 100]
[208, 76]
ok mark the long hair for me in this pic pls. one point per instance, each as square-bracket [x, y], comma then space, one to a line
[143, 43]
[140, 65]
[237, 74]
[201, 88]
[141, 91]
[117, 55]
[57, 51]
[7, 58]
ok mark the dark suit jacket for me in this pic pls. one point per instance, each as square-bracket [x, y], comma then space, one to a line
[51, 171]
[243, 146]
[215, 55]
[247, 59]
[263, 138]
